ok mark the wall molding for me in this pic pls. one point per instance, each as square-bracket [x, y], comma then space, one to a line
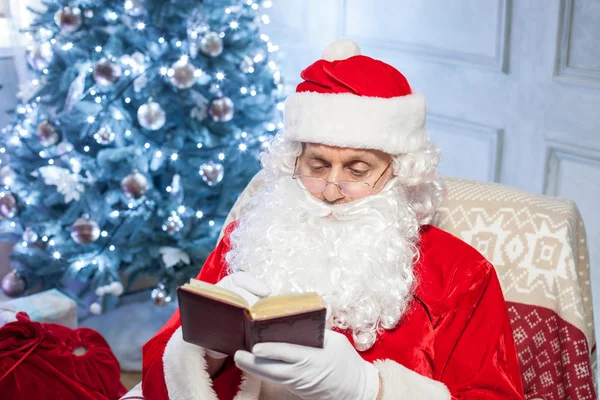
[493, 136]
[556, 152]
[563, 72]
[497, 63]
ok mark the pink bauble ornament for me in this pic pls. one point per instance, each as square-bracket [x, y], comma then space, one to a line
[13, 285]
[85, 230]
[135, 185]
[8, 205]
[106, 73]
[221, 109]
[47, 134]
[68, 19]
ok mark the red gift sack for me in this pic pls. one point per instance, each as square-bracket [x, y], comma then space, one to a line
[50, 361]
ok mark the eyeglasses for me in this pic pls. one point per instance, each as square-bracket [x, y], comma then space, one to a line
[347, 188]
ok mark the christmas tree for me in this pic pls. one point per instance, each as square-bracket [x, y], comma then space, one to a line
[143, 122]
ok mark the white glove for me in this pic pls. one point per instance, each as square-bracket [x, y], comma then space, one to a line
[335, 372]
[247, 286]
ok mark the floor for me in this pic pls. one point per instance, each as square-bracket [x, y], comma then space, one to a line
[130, 379]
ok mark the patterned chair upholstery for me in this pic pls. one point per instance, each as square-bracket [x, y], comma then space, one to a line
[538, 246]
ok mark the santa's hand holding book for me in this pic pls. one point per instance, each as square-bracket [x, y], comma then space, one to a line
[334, 372]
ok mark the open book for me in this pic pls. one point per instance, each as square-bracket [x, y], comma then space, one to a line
[221, 320]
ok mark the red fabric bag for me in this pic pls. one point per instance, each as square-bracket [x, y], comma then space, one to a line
[50, 361]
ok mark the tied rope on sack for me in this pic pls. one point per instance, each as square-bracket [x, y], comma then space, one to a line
[50, 361]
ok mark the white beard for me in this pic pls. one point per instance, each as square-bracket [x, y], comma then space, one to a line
[358, 256]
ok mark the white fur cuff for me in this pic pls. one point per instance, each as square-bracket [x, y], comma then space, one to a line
[394, 126]
[399, 382]
[185, 370]
[186, 376]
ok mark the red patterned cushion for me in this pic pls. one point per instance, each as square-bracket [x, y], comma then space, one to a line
[553, 354]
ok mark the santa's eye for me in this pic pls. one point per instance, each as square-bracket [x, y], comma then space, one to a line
[317, 168]
[358, 172]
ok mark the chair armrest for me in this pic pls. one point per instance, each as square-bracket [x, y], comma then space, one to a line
[134, 394]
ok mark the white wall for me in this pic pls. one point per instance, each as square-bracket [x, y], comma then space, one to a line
[513, 86]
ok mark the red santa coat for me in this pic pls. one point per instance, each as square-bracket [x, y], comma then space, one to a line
[454, 341]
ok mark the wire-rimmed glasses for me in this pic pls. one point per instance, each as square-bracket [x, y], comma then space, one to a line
[314, 184]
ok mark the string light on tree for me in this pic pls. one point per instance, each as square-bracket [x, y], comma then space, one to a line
[40, 55]
[173, 224]
[135, 8]
[160, 295]
[7, 176]
[105, 135]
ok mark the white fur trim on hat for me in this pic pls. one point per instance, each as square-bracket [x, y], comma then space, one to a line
[395, 125]
[186, 376]
[399, 382]
[340, 50]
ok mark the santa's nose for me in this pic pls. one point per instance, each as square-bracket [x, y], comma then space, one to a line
[332, 193]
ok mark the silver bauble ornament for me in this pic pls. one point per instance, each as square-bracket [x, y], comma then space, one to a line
[68, 19]
[173, 224]
[85, 230]
[47, 134]
[13, 285]
[64, 148]
[160, 295]
[247, 65]
[7, 176]
[182, 74]
[135, 8]
[211, 44]
[134, 185]
[221, 109]
[211, 173]
[8, 205]
[106, 72]
[105, 135]
[29, 236]
[40, 55]
[151, 116]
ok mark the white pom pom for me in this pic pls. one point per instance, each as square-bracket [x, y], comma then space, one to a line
[116, 288]
[340, 50]
[95, 308]
[100, 291]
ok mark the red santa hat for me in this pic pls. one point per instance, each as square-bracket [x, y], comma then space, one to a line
[351, 100]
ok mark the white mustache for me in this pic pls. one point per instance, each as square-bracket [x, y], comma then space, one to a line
[368, 206]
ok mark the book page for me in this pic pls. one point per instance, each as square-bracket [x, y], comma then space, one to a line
[279, 306]
[216, 292]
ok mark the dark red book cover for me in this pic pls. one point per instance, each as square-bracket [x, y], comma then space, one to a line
[224, 327]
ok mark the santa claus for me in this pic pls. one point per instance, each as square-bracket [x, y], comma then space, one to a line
[350, 189]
